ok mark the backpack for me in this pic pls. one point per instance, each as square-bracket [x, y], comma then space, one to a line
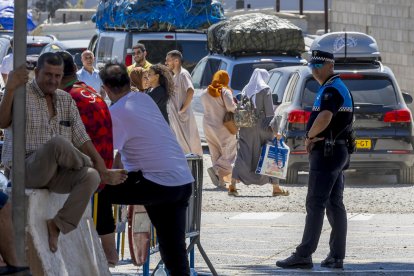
[245, 114]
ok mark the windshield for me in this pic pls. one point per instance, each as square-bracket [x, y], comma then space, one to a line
[192, 51]
[34, 49]
[373, 90]
[242, 72]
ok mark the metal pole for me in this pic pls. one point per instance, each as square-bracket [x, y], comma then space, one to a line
[326, 17]
[277, 5]
[301, 7]
[19, 127]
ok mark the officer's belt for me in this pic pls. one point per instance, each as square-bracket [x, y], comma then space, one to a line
[337, 142]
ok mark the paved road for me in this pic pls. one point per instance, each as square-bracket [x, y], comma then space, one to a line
[250, 243]
[246, 235]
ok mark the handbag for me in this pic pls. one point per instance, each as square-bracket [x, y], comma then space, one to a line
[274, 159]
[228, 121]
[245, 114]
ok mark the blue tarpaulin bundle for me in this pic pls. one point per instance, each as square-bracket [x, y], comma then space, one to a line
[7, 16]
[158, 15]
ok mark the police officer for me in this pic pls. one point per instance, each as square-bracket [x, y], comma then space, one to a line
[331, 117]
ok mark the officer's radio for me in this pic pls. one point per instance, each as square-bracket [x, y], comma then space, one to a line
[329, 147]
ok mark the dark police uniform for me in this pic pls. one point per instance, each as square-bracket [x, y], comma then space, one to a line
[326, 179]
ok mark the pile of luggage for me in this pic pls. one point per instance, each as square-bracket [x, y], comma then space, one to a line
[255, 33]
[158, 15]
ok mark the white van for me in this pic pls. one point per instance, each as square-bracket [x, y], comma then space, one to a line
[117, 45]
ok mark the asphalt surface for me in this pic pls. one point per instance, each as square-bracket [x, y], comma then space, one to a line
[247, 235]
[250, 243]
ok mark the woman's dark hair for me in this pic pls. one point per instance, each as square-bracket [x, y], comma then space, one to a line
[115, 76]
[166, 79]
[49, 58]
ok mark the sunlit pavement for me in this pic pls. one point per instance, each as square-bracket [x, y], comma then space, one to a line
[250, 244]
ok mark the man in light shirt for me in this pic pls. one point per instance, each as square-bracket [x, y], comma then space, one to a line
[158, 174]
[7, 64]
[88, 74]
[181, 115]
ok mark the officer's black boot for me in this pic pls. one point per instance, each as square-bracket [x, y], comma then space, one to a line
[296, 261]
[331, 262]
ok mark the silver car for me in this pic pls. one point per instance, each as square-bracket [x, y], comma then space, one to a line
[239, 69]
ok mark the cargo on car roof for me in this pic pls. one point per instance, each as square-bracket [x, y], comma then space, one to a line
[157, 15]
[255, 33]
[348, 46]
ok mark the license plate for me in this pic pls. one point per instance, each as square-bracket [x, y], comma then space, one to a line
[363, 144]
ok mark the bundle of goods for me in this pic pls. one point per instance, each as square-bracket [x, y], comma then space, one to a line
[158, 15]
[255, 33]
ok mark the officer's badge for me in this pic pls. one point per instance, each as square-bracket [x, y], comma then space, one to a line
[327, 96]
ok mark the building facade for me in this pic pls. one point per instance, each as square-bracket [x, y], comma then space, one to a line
[391, 23]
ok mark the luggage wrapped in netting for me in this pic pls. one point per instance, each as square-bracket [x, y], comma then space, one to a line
[255, 33]
[158, 15]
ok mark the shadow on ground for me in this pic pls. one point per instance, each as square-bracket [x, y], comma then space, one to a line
[374, 268]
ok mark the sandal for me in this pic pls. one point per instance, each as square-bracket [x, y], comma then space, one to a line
[280, 193]
[214, 178]
[232, 191]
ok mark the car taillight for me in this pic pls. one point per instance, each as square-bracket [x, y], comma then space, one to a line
[398, 116]
[351, 76]
[298, 116]
[128, 60]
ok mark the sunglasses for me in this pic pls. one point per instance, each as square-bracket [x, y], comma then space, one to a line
[316, 65]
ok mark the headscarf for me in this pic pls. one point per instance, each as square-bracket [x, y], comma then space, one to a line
[257, 82]
[136, 78]
[220, 79]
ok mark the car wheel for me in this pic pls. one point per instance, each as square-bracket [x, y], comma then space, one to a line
[406, 176]
[291, 177]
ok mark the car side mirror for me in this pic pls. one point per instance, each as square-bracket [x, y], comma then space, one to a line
[407, 98]
[275, 99]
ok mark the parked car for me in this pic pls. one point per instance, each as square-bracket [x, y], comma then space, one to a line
[239, 69]
[117, 45]
[74, 47]
[35, 44]
[383, 123]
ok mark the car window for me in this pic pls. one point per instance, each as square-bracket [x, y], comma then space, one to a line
[192, 52]
[242, 72]
[105, 49]
[376, 90]
[290, 88]
[198, 73]
[34, 49]
[158, 49]
[223, 66]
[211, 68]
[274, 82]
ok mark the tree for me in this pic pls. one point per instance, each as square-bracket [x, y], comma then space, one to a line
[80, 4]
[50, 5]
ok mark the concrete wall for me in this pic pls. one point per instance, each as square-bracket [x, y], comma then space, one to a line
[391, 23]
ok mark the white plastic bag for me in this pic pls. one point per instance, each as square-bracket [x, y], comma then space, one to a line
[274, 159]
